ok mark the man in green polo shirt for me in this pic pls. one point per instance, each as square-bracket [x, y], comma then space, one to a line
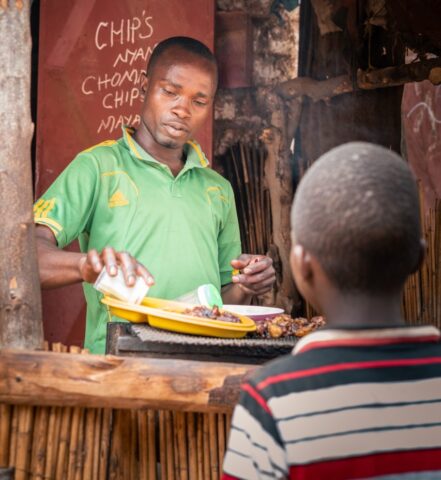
[149, 200]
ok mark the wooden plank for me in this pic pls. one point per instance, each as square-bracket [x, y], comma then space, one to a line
[47, 378]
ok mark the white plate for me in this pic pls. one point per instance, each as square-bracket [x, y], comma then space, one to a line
[255, 312]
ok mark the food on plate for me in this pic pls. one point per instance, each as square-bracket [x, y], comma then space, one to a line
[212, 314]
[286, 326]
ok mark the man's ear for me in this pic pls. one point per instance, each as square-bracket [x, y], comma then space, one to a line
[300, 261]
[144, 83]
[422, 254]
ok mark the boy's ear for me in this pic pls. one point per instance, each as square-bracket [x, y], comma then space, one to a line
[301, 263]
[422, 254]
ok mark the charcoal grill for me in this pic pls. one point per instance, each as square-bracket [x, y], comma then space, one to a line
[142, 340]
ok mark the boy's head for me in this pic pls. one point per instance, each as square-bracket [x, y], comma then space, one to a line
[356, 217]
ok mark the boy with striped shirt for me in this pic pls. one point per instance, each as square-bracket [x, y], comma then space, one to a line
[362, 397]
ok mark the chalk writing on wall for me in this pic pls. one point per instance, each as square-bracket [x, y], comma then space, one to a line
[117, 89]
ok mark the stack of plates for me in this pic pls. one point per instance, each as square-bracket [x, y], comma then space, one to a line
[168, 315]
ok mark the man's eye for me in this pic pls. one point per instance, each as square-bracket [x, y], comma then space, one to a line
[168, 92]
[200, 103]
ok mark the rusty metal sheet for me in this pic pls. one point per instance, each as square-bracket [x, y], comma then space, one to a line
[91, 53]
[421, 111]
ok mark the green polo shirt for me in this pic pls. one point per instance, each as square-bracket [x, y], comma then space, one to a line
[184, 229]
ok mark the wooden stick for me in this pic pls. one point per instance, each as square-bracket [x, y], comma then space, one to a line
[89, 443]
[200, 444]
[53, 433]
[24, 439]
[39, 441]
[106, 428]
[206, 446]
[96, 443]
[214, 462]
[182, 445]
[395, 76]
[192, 446]
[176, 464]
[5, 430]
[14, 435]
[162, 446]
[143, 444]
[221, 440]
[169, 445]
[152, 416]
[63, 449]
[73, 443]
[80, 453]
[134, 442]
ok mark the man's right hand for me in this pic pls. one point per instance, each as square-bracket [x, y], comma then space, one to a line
[61, 267]
[90, 266]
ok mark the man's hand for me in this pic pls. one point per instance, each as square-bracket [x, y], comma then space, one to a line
[60, 267]
[255, 274]
[90, 266]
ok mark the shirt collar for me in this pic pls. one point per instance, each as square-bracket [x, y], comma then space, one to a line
[366, 337]
[195, 157]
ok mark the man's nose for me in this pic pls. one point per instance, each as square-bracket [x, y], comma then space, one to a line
[182, 108]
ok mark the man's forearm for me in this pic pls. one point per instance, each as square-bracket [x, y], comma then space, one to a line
[232, 294]
[57, 267]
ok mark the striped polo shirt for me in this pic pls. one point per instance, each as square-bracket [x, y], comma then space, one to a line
[350, 403]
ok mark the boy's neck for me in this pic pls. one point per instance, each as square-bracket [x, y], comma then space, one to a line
[362, 310]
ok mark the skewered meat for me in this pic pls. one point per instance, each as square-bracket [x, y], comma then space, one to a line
[212, 314]
[286, 326]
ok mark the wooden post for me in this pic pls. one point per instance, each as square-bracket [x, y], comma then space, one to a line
[20, 299]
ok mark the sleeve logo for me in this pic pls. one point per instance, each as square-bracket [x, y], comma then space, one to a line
[118, 199]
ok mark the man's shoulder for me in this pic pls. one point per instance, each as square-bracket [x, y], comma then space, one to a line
[215, 177]
[102, 149]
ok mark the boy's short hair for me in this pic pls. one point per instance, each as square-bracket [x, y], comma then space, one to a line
[185, 43]
[357, 211]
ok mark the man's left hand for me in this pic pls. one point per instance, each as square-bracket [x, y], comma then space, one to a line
[254, 274]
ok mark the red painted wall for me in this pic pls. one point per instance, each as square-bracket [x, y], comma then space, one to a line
[91, 53]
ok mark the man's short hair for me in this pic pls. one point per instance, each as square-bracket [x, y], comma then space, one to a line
[357, 211]
[187, 44]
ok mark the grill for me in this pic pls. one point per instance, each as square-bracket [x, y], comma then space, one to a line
[141, 340]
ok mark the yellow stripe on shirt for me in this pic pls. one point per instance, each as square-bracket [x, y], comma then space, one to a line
[196, 148]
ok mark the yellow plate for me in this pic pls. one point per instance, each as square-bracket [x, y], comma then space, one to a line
[167, 315]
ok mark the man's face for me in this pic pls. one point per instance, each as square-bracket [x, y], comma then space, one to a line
[178, 97]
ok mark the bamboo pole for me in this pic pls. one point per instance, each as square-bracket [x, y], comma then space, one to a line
[73, 443]
[96, 443]
[169, 434]
[80, 453]
[162, 446]
[213, 436]
[181, 435]
[5, 435]
[89, 443]
[39, 442]
[206, 446]
[104, 448]
[221, 440]
[192, 447]
[176, 464]
[134, 441]
[200, 445]
[24, 441]
[14, 435]
[152, 423]
[143, 444]
[53, 436]
[64, 442]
